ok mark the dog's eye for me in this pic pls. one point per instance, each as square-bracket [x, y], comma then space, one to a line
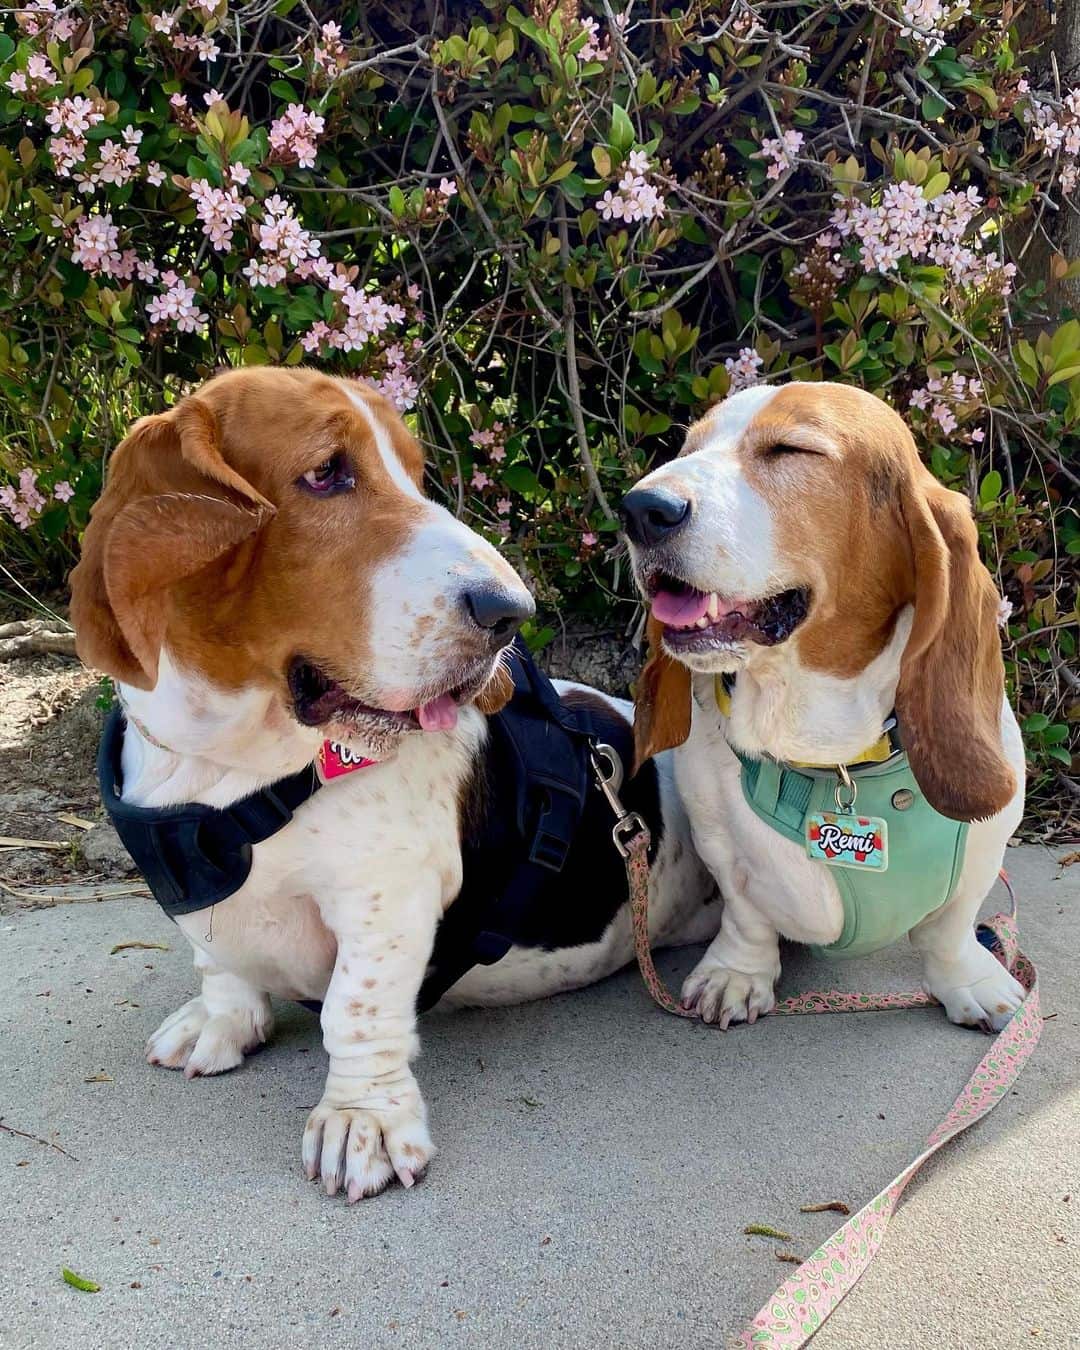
[783, 448]
[331, 476]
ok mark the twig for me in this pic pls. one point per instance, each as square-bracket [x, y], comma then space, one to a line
[573, 381]
[10, 1129]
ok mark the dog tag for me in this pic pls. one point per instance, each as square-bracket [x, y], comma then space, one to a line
[848, 840]
[337, 759]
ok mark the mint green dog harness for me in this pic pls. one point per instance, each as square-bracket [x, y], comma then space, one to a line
[893, 857]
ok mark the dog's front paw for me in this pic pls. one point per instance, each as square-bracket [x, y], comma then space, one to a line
[202, 1043]
[976, 990]
[362, 1149]
[719, 994]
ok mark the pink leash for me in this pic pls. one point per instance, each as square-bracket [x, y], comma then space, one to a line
[802, 1303]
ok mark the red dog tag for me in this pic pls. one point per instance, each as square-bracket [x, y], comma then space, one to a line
[336, 759]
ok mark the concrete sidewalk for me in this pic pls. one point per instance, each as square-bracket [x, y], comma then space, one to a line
[598, 1163]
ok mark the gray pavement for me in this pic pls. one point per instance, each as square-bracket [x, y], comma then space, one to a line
[598, 1163]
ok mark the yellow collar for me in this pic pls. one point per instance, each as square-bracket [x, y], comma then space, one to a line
[881, 750]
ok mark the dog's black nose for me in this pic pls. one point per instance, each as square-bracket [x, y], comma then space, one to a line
[652, 515]
[499, 611]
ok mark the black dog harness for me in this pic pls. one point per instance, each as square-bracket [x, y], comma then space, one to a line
[538, 808]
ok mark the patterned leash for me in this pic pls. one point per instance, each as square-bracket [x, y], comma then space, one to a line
[802, 1303]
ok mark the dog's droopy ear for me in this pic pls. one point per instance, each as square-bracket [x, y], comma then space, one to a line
[952, 680]
[661, 701]
[497, 693]
[171, 506]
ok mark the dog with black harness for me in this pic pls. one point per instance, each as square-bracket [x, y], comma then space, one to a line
[336, 773]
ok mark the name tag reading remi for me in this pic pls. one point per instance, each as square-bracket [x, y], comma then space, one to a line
[336, 759]
[848, 840]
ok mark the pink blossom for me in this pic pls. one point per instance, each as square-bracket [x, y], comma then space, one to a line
[397, 383]
[479, 480]
[38, 75]
[178, 102]
[503, 506]
[282, 237]
[97, 242]
[73, 115]
[637, 198]
[295, 133]
[780, 151]
[15, 507]
[213, 96]
[67, 151]
[155, 174]
[29, 491]
[239, 174]
[595, 48]
[926, 21]
[743, 369]
[16, 82]
[589, 539]
[163, 23]
[207, 48]
[63, 491]
[329, 52]
[176, 305]
[219, 209]
[447, 187]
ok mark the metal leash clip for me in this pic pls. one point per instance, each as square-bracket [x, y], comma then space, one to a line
[608, 768]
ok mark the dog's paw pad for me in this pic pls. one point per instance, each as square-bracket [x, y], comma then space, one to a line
[360, 1151]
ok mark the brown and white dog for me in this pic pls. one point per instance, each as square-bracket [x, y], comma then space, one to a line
[262, 572]
[799, 544]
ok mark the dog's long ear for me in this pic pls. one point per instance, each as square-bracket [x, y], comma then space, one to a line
[498, 691]
[171, 506]
[661, 701]
[952, 679]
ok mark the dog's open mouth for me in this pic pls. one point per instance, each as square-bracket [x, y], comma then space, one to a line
[700, 621]
[318, 699]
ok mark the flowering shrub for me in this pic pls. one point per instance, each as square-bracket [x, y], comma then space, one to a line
[553, 236]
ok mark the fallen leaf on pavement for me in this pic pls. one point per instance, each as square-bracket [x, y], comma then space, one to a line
[143, 946]
[12, 841]
[789, 1257]
[98, 1078]
[837, 1205]
[766, 1230]
[69, 818]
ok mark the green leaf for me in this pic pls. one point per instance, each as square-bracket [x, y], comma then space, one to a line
[933, 107]
[520, 478]
[79, 1281]
[622, 129]
[283, 89]
[990, 488]
[397, 201]
[935, 186]
[1036, 722]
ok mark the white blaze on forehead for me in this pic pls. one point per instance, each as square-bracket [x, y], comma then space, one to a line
[385, 445]
[728, 544]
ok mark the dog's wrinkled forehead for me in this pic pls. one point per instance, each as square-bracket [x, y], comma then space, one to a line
[274, 425]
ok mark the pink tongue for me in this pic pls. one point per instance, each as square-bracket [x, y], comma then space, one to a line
[438, 715]
[680, 611]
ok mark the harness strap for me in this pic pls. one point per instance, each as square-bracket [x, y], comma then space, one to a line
[801, 1304]
[194, 856]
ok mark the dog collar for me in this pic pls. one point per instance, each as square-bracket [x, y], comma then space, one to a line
[334, 760]
[884, 748]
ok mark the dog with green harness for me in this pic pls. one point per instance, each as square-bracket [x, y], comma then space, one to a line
[825, 656]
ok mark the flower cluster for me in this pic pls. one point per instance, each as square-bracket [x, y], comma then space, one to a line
[294, 136]
[397, 382]
[39, 18]
[219, 210]
[25, 502]
[595, 48]
[37, 76]
[1057, 130]
[780, 151]
[329, 53]
[744, 369]
[492, 440]
[927, 21]
[904, 224]
[949, 401]
[637, 198]
[70, 119]
[176, 305]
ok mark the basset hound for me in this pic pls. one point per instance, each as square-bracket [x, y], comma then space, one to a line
[825, 654]
[267, 583]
